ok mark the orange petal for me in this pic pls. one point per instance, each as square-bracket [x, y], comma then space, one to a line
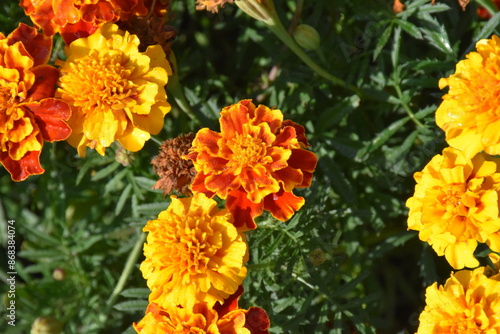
[243, 210]
[286, 137]
[80, 29]
[290, 177]
[198, 185]
[273, 117]
[99, 12]
[39, 46]
[299, 130]
[50, 115]
[19, 170]
[230, 303]
[206, 140]
[232, 119]
[42, 15]
[303, 159]
[283, 205]
[45, 82]
[257, 182]
[65, 12]
[222, 183]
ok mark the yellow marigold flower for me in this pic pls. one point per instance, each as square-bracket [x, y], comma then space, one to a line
[468, 113]
[199, 319]
[468, 303]
[455, 205]
[211, 5]
[115, 91]
[193, 253]
[255, 162]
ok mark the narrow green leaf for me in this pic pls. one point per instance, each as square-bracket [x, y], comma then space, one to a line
[433, 8]
[139, 293]
[111, 185]
[123, 198]
[105, 171]
[410, 28]
[152, 208]
[384, 38]
[132, 306]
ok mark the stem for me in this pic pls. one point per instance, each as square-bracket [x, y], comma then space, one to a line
[278, 29]
[127, 270]
[407, 108]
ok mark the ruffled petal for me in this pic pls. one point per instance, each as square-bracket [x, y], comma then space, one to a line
[243, 210]
[282, 204]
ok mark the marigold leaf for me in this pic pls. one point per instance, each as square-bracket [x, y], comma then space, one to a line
[132, 306]
[123, 198]
[384, 38]
[105, 171]
[410, 28]
[139, 293]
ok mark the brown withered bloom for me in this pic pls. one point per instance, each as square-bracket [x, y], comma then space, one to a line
[151, 29]
[211, 5]
[175, 173]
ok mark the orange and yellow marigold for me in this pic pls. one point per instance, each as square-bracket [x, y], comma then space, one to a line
[115, 91]
[29, 113]
[469, 113]
[255, 162]
[468, 303]
[193, 254]
[455, 205]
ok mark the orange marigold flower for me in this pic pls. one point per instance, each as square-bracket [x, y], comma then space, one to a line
[193, 253]
[468, 303]
[455, 205]
[199, 319]
[211, 5]
[255, 162]
[29, 113]
[80, 18]
[468, 113]
[115, 91]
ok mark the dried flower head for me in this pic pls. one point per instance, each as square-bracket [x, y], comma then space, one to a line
[115, 91]
[29, 113]
[193, 254]
[211, 5]
[455, 205]
[468, 303]
[175, 172]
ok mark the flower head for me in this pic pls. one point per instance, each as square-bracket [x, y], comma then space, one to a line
[255, 162]
[455, 205]
[199, 319]
[29, 113]
[211, 5]
[193, 253]
[115, 91]
[468, 303]
[175, 173]
[80, 18]
[469, 113]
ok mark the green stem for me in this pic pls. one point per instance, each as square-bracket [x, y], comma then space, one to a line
[406, 107]
[127, 270]
[278, 29]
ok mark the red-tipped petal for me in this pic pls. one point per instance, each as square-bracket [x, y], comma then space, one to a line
[45, 82]
[243, 210]
[80, 29]
[283, 205]
[303, 159]
[39, 46]
[19, 170]
[299, 130]
[230, 303]
[232, 119]
[257, 321]
[50, 115]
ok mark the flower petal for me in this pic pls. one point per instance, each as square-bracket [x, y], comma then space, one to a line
[50, 115]
[28, 165]
[282, 204]
[243, 210]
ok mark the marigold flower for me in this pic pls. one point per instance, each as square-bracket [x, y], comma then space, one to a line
[198, 319]
[80, 18]
[211, 5]
[468, 112]
[175, 173]
[29, 113]
[193, 253]
[468, 303]
[455, 205]
[255, 162]
[115, 91]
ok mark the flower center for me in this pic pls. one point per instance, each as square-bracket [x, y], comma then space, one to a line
[247, 150]
[99, 82]
[195, 249]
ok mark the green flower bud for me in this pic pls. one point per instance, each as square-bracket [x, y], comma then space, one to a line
[307, 37]
[46, 325]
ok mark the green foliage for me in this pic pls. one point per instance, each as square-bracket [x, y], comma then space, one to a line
[345, 262]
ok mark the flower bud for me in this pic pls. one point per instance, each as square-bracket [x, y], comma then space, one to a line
[46, 325]
[58, 274]
[307, 37]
